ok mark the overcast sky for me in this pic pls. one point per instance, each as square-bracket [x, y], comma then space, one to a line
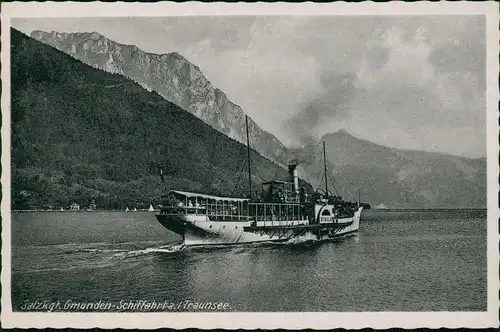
[406, 82]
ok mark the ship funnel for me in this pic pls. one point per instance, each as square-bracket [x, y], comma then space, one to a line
[294, 177]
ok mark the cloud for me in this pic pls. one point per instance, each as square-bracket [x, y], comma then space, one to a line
[223, 33]
[374, 71]
[264, 77]
[403, 95]
[332, 101]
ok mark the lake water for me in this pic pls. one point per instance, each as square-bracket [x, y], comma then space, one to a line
[399, 261]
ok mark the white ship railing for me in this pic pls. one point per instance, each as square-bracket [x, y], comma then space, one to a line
[225, 211]
[227, 208]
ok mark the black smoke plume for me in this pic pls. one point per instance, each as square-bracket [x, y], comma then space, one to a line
[331, 102]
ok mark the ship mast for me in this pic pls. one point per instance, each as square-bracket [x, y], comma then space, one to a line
[359, 198]
[248, 159]
[326, 176]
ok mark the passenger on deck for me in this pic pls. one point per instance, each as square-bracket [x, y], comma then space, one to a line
[190, 204]
[280, 195]
[302, 195]
[273, 214]
[270, 195]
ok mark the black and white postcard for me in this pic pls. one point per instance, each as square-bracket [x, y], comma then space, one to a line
[250, 165]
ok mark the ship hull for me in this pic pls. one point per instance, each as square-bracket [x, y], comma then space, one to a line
[198, 230]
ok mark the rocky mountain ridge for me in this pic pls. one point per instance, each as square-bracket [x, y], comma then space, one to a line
[172, 77]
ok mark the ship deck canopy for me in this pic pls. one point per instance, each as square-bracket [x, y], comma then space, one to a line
[209, 197]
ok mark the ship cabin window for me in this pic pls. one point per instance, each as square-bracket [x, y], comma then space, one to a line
[197, 210]
[223, 226]
[210, 226]
[325, 213]
[172, 210]
[235, 227]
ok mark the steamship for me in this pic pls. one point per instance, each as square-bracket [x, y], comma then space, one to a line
[285, 212]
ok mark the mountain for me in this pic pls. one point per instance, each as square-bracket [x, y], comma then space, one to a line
[172, 77]
[79, 133]
[393, 177]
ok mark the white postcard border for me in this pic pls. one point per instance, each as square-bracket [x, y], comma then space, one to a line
[300, 320]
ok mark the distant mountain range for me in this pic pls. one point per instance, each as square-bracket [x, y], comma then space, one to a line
[395, 178]
[172, 77]
[52, 90]
[79, 133]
